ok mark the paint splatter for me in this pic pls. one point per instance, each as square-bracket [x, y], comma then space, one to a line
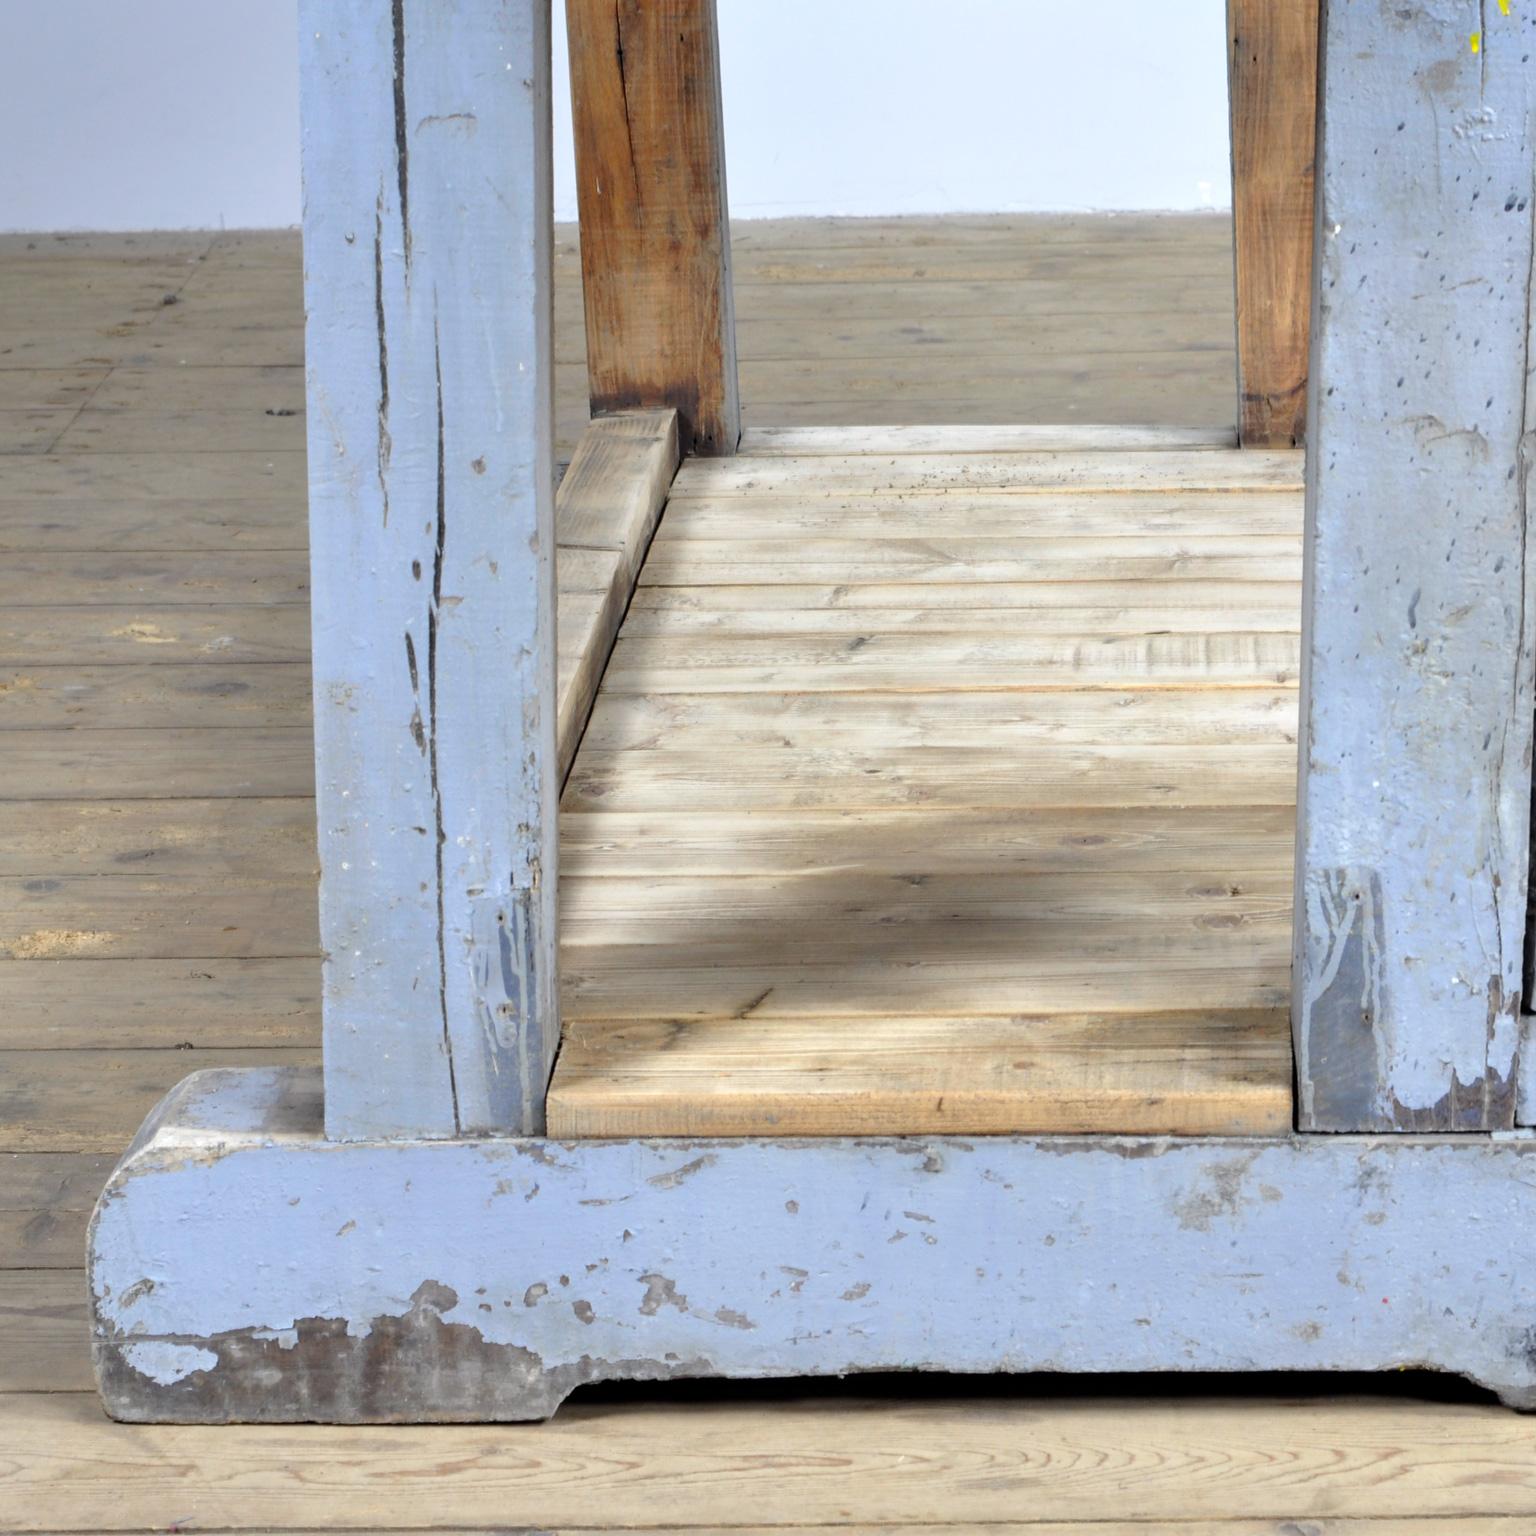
[1476, 41]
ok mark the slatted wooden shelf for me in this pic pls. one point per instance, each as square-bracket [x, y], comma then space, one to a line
[934, 790]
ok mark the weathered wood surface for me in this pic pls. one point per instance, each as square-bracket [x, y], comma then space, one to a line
[848, 1461]
[796, 442]
[1037, 318]
[878, 828]
[1226, 1073]
[427, 284]
[655, 237]
[1272, 84]
[507, 1272]
[94, 1100]
[45, 1200]
[42, 1317]
[1390, 1457]
[605, 514]
[1416, 781]
[1105, 467]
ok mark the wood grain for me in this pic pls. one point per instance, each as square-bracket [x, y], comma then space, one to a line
[45, 1201]
[43, 1325]
[844, 860]
[55, 1004]
[967, 1076]
[795, 442]
[655, 243]
[794, 1460]
[1107, 470]
[1272, 82]
[95, 1100]
[606, 511]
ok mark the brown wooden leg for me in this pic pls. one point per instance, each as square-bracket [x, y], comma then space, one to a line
[655, 241]
[1272, 62]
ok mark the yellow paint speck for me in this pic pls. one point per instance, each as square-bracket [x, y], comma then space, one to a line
[1476, 40]
[1503, 7]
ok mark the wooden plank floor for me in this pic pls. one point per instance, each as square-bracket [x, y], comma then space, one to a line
[941, 791]
[158, 857]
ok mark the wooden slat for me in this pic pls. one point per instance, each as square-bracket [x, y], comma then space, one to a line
[45, 1201]
[935, 779]
[1272, 83]
[657, 620]
[147, 916]
[917, 662]
[35, 486]
[1054, 474]
[191, 695]
[275, 572]
[854, 976]
[722, 844]
[1152, 394]
[215, 838]
[605, 908]
[606, 511]
[984, 513]
[43, 1323]
[120, 634]
[812, 293]
[849, 721]
[48, 389]
[95, 1100]
[586, 623]
[943, 558]
[107, 432]
[655, 243]
[1198, 335]
[1154, 1074]
[848, 267]
[618, 480]
[836, 1459]
[1203, 599]
[57, 1004]
[798, 442]
[158, 764]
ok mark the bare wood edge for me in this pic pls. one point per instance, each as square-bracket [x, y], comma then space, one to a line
[1221, 1072]
[804, 442]
[609, 502]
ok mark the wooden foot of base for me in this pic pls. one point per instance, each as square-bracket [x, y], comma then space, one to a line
[244, 1268]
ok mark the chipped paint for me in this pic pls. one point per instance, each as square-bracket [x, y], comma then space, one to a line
[165, 1363]
[443, 1303]
[431, 472]
[1417, 708]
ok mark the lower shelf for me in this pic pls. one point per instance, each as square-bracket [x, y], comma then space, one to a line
[942, 791]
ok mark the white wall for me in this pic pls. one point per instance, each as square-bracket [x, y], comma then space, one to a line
[135, 114]
[936, 106]
[148, 114]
